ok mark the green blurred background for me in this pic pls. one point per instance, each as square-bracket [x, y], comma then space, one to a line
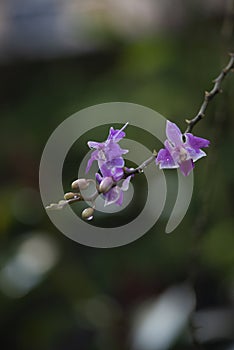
[162, 291]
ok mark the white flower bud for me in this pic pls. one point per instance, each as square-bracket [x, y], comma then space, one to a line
[81, 184]
[106, 184]
[69, 195]
[87, 213]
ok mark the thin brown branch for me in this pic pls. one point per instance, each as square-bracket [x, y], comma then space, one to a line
[141, 167]
[209, 95]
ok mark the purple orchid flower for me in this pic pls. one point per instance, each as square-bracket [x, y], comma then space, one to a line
[115, 194]
[178, 152]
[108, 154]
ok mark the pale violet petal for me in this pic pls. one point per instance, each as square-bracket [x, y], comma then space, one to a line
[91, 160]
[169, 146]
[174, 134]
[186, 167]
[105, 170]
[164, 166]
[116, 135]
[165, 160]
[125, 184]
[117, 162]
[112, 196]
[98, 177]
[196, 142]
[117, 174]
[197, 155]
[93, 144]
[120, 199]
[89, 164]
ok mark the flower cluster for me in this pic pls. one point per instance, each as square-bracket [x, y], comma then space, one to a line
[109, 156]
[113, 179]
[181, 151]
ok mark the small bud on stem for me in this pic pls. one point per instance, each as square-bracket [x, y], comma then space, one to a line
[69, 195]
[81, 184]
[106, 184]
[87, 213]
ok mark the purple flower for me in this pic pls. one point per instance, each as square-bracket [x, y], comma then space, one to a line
[179, 153]
[108, 154]
[115, 194]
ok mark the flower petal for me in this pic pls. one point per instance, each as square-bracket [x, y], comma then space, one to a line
[165, 160]
[98, 178]
[120, 199]
[116, 135]
[105, 170]
[117, 174]
[112, 196]
[94, 156]
[125, 184]
[195, 154]
[113, 150]
[186, 167]
[196, 142]
[93, 144]
[174, 134]
[117, 162]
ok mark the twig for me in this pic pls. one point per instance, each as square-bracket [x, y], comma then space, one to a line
[143, 165]
[209, 95]
[200, 223]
